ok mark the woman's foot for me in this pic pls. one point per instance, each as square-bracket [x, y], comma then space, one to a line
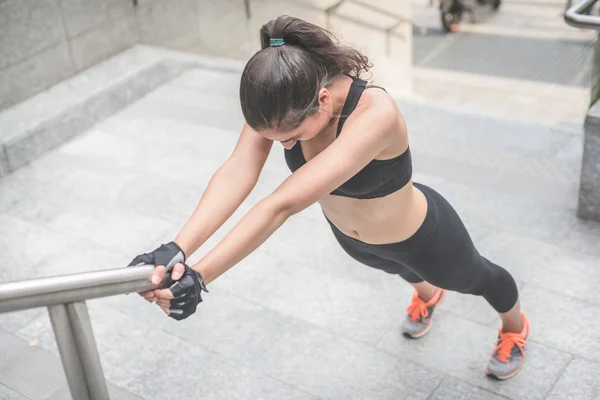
[509, 354]
[420, 314]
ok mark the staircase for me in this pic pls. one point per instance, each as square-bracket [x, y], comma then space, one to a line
[94, 201]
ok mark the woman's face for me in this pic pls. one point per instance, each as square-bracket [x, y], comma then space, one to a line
[308, 129]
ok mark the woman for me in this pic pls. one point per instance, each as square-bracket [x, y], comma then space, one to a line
[346, 144]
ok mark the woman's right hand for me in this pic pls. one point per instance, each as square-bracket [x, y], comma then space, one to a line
[164, 258]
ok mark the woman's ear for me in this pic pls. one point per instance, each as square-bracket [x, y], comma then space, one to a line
[325, 101]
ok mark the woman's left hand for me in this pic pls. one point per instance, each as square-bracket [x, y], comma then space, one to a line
[182, 296]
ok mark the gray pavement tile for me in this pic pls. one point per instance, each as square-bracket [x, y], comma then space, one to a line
[452, 389]
[126, 346]
[563, 322]
[223, 323]
[209, 81]
[572, 150]
[32, 371]
[115, 393]
[192, 372]
[7, 393]
[62, 255]
[507, 213]
[579, 381]
[481, 130]
[584, 237]
[38, 333]
[495, 159]
[86, 258]
[195, 107]
[321, 251]
[472, 308]
[176, 96]
[518, 181]
[122, 231]
[13, 321]
[23, 246]
[10, 346]
[119, 189]
[37, 373]
[461, 349]
[545, 265]
[197, 151]
[332, 367]
[350, 308]
[28, 199]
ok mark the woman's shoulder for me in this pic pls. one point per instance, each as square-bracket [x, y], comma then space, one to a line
[380, 102]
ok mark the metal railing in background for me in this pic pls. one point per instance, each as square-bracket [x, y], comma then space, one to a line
[65, 298]
[389, 30]
[574, 16]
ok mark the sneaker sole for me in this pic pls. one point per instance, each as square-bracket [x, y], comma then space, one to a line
[505, 377]
[426, 330]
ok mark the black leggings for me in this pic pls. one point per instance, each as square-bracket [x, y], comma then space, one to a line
[440, 252]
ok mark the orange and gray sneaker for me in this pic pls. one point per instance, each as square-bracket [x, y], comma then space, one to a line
[509, 354]
[420, 314]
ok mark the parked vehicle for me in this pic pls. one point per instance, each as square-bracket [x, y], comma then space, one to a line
[452, 11]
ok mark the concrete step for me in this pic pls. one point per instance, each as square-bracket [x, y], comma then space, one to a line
[526, 159]
[299, 301]
[31, 373]
[533, 160]
[44, 121]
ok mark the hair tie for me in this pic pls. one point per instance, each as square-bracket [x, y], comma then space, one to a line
[276, 42]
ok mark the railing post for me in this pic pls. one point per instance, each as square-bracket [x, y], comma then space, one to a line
[68, 352]
[329, 12]
[247, 8]
[78, 351]
[81, 327]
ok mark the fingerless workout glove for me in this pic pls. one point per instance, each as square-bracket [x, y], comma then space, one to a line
[167, 254]
[186, 292]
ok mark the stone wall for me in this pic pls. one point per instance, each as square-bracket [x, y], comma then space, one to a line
[589, 188]
[45, 41]
[589, 191]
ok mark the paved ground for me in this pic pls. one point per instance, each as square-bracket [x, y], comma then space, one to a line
[524, 40]
[300, 319]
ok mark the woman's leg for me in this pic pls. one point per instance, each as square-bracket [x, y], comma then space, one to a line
[425, 290]
[511, 320]
[426, 298]
[445, 257]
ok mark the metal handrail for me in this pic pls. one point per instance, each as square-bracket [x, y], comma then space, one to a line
[65, 298]
[573, 16]
[71, 288]
[398, 17]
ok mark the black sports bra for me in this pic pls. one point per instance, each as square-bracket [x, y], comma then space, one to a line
[379, 178]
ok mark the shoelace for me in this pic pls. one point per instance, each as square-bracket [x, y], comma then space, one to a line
[417, 309]
[506, 342]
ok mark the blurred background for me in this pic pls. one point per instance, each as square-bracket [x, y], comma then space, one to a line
[114, 114]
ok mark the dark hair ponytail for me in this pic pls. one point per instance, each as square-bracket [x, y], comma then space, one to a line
[280, 84]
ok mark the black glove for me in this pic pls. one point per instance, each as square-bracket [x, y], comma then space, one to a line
[186, 292]
[167, 254]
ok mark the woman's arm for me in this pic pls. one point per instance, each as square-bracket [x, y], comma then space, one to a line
[228, 188]
[366, 134]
